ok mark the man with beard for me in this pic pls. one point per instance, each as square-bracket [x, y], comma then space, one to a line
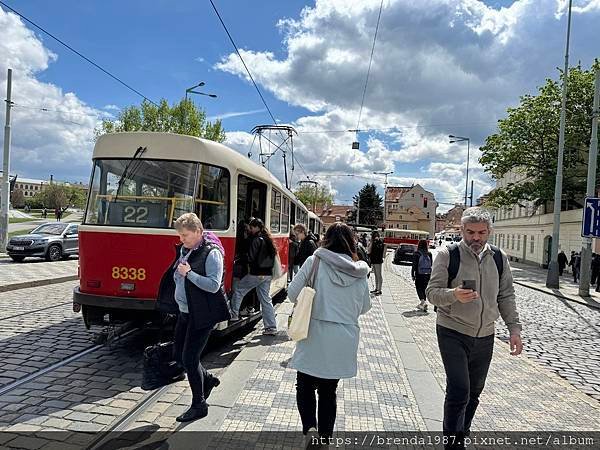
[469, 299]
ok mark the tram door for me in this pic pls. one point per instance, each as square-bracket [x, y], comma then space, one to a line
[251, 202]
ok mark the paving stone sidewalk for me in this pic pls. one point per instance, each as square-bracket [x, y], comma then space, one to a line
[520, 394]
[34, 271]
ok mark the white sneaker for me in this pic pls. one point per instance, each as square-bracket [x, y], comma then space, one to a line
[420, 306]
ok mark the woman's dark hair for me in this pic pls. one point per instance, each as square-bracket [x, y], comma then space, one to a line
[422, 245]
[339, 239]
[264, 232]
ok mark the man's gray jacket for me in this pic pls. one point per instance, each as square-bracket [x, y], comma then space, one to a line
[496, 296]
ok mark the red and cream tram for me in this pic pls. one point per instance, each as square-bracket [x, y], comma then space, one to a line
[140, 184]
[394, 237]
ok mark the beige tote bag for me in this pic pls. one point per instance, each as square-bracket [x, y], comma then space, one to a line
[300, 320]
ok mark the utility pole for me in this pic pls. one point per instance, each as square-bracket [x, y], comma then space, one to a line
[471, 197]
[385, 183]
[552, 279]
[6, 168]
[586, 249]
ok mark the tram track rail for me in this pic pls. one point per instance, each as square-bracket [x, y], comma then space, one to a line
[35, 311]
[39, 373]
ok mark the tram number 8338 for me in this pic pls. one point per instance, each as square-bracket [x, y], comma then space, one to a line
[128, 273]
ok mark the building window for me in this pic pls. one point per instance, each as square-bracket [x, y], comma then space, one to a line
[518, 242]
[532, 247]
[512, 241]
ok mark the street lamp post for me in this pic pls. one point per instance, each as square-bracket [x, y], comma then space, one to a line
[552, 279]
[454, 139]
[385, 183]
[192, 91]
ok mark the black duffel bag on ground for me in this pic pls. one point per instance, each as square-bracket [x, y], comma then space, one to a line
[159, 367]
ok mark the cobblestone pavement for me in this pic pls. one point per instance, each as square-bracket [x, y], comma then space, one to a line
[521, 393]
[378, 398]
[37, 329]
[34, 269]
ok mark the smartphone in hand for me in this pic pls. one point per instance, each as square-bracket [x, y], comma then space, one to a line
[469, 284]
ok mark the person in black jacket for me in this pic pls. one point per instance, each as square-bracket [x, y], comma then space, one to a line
[421, 272]
[293, 247]
[377, 250]
[261, 259]
[562, 262]
[193, 288]
[308, 244]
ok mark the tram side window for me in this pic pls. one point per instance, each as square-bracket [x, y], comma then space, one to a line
[285, 216]
[275, 211]
[212, 197]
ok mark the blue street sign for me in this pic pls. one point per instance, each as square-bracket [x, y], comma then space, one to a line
[591, 218]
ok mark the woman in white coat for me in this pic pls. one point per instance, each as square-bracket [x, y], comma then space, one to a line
[330, 350]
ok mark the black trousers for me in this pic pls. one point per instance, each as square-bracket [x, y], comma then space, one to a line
[466, 361]
[307, 403]
[187, 349]
[595, 273]
[421, 282]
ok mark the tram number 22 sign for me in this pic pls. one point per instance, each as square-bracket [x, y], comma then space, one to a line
[128, 273]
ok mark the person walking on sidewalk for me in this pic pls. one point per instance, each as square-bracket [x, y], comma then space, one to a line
[308, 244]
[575, 264]
[193, 287]
[330, 350]
[595, 268]
[421, 272]
[376, 251]
[562, 262]
[261, 260]
[466, 317]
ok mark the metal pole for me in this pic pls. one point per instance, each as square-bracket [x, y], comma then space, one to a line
[552, 279]
[316, 195]
[586, 249]
[6, 168]
[467, 180]
[471, 197]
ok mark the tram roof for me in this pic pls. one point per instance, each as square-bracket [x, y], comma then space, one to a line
[179, 147]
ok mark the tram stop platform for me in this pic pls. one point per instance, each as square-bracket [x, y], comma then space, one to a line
[399, 387]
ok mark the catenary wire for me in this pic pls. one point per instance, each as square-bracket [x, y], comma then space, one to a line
[64, 44]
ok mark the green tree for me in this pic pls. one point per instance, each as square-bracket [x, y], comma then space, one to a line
[61, 196]
[311, 195]
[369, 205]
[526, 144]
[181, 118]
[17, 198]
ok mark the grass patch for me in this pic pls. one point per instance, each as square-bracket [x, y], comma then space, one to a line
[19, 219]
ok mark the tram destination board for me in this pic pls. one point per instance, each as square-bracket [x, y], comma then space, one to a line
[145, 214]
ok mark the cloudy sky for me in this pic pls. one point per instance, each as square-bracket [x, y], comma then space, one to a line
[440, 67]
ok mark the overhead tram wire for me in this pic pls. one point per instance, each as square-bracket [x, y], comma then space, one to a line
[369, 69]
[251, 77]
[64, 44]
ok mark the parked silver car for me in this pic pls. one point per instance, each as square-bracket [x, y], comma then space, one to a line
[53, 241]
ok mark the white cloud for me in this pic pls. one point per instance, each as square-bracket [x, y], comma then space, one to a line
[440, 67]
[52, 131]
[235, 114]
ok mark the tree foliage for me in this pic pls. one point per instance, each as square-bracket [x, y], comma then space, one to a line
[526, 144]
[311, 195]
[60, 196]
[181, 118]
[369, 205]
[17, 198]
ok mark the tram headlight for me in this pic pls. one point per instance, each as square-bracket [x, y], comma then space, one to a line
[128, 287]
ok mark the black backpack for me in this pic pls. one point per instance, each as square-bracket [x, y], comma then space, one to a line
[454, 262]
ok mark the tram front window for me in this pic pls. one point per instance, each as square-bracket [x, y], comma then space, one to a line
[145, 193]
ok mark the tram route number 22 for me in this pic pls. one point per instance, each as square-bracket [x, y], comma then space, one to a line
[132, 214]
[128, 273]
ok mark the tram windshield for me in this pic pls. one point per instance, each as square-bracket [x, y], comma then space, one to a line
[154, 193]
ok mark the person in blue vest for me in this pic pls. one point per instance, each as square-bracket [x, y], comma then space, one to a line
[469, 299]
[192, 287]
[421, 272]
